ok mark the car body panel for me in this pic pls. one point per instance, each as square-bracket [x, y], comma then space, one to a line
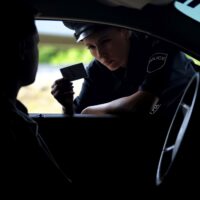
[158, 21]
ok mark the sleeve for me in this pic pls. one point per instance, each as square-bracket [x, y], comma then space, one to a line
[88, 91]
[84, 98]
[159, 68]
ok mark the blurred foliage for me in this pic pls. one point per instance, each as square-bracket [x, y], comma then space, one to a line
[53, 55]
[50, 54]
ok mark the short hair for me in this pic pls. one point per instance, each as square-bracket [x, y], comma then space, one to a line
[22, 21]
[19, 25]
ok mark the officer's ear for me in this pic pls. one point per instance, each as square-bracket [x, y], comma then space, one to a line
[129, 33]
[126, 32]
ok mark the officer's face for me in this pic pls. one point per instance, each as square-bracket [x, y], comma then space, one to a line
[110, 47]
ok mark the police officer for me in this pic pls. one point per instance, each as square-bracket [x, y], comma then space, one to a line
[130, 72]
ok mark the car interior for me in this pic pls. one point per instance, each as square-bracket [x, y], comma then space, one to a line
[122, 155]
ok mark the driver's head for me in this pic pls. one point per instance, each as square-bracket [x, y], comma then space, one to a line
[23, 38]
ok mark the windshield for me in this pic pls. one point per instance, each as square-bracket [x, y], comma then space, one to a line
[190, 8]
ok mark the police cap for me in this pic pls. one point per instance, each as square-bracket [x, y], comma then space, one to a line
[83, 29]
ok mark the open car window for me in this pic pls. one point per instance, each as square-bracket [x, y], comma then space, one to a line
[57, 49]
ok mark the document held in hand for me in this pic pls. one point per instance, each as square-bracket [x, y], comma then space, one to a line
[74, 72]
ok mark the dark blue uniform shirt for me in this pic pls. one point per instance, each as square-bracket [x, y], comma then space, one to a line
[153, 66]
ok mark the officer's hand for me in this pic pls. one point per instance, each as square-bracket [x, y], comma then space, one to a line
[95, 110]
[62, 90]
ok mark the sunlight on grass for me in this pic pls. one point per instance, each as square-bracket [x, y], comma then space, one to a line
[39, 100]
[37, 97]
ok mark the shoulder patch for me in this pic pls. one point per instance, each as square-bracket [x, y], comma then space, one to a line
[156, 62]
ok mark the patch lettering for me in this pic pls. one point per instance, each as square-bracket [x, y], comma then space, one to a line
[156, 62]
[154, 109]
